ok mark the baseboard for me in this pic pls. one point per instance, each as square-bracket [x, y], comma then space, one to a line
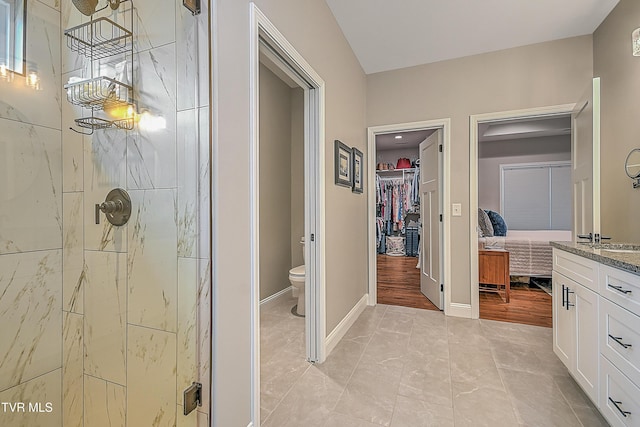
[459, 310]
[339, 331]
[276, 295]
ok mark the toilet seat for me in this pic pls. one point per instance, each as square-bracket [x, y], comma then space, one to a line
[298, 271]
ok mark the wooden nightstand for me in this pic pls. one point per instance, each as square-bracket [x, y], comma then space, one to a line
[493, 268]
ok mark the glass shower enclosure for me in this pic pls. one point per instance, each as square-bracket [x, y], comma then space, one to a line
[106, 324]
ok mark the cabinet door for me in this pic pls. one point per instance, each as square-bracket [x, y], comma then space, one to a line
[564, 325]
[586, 364]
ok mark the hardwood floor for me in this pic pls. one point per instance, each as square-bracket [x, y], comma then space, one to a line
[529, 305]
[399, 282]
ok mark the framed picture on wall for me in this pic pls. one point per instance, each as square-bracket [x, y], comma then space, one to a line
[356, 169]
[343, 164]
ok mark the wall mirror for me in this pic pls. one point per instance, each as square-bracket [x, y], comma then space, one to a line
[632, 166]
[13, 28]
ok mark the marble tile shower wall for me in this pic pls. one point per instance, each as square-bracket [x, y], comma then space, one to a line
[106, 323]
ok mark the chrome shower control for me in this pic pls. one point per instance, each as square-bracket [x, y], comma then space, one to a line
[116, 207]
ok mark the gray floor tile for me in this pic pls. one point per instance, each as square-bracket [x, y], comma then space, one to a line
[538, 400]
[418, 413]
[475, 405]
[399, 367]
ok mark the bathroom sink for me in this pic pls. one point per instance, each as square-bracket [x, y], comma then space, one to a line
[623, 251]
[623, 248]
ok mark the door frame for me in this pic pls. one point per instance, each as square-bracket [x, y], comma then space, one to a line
[445, 253]
[474, 121]
[262, 31]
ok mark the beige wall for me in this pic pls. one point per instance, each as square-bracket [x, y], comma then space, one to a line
[310, 27]
[275, 183]
[529, 150]
[620, 128]
[539, 75]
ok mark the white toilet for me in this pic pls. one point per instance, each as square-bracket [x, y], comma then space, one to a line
[297, 279]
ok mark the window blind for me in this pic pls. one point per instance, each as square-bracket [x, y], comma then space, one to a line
[536, 196]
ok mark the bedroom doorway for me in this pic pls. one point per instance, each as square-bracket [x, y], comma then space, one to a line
[399, 215]
[520, 199]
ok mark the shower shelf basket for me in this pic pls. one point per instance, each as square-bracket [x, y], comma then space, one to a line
[99, 38]
[99, 93]
[95, 123]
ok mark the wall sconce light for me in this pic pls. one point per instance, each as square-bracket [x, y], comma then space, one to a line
[5, 73]
[635, 42]
[151, 123]
[32, 78]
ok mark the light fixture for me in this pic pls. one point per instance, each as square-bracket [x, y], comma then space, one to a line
[5, 73]
[398, 136]
[150, 122]
[635, 42]
[32, 80]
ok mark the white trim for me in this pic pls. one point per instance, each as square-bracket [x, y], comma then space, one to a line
[460, 310]
[275, 296]
[314, 101]
[474, 121]
[445, 125]
[339, 331]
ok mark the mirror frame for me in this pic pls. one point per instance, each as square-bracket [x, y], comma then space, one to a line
[23, 62]
[635, 177]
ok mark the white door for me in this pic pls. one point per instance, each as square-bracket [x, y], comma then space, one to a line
[430, 210]
[586, 162]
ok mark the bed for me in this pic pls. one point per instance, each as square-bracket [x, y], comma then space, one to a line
[529, 250]
[530, 254]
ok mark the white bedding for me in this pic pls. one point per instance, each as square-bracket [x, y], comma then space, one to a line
[529, 251]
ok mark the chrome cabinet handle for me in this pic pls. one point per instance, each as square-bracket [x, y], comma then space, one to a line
[616, 403]
[563, 300]
[619, 341]
[619, 289]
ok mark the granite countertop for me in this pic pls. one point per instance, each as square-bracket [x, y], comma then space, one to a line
[628, 261]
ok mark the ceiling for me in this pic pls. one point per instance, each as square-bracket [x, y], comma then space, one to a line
[387, 35]
[524, 128]
[411, 139]
[503, 130]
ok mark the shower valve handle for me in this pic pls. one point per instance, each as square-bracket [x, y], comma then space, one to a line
[116, 207]
[109, 207]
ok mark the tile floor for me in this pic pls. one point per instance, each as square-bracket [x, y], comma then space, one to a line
[406, 367]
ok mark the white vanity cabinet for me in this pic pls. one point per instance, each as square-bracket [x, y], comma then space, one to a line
[596, 329]
[575, 318]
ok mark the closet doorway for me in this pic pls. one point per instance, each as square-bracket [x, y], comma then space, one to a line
[408, 231]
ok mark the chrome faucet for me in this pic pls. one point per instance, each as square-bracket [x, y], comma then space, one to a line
[595, 238]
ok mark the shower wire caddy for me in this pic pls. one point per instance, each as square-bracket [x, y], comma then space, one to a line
[98, 39]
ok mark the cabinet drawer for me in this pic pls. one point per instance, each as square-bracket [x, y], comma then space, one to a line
[580, 269]
[619, 397]
[621, 287]
[624, 349]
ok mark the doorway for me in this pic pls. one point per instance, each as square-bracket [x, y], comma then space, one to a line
[517, 264]
[395, 272]
[270, 45]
